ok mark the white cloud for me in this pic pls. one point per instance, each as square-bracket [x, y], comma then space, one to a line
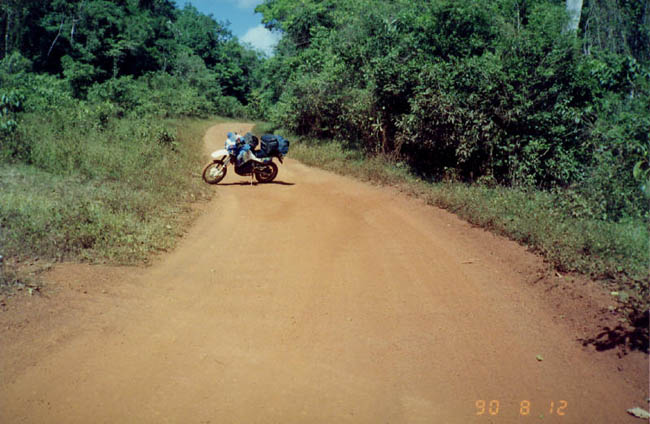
[261, 39]
[245, 4]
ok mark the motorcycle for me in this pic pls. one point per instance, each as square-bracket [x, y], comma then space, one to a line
[247, 161]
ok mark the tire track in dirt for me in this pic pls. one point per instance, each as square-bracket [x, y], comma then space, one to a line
[317, 299]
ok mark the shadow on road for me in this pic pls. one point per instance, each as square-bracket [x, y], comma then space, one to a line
[282, 183]
[628, 338]
[254, 183]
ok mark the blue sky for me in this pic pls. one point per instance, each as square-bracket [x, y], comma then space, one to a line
[244, 22]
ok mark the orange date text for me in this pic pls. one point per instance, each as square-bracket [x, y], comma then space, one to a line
[493, 407]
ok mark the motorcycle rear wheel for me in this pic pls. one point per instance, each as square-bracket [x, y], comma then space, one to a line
[267, 173]
[214, 172]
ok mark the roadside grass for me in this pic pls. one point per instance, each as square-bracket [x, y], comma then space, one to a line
[114, 195]
[615, 253]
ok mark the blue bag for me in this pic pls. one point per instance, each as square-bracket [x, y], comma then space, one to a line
[273, 144]
[283, 145]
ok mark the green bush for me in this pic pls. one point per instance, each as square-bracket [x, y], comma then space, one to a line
[79, 75]
[15, 63]
[157, 94]
[108, 195]
[229, 106]
[10, 104]
[485, 89]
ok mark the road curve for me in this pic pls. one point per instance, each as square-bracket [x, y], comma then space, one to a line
[318, 299]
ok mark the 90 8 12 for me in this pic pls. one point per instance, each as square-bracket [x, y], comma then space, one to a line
[526, 407]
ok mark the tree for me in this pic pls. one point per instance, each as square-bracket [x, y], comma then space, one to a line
[574, 9]
[13, 16]
[213, 42]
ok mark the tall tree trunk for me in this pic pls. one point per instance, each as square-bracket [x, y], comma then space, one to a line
[7, 31]
[574, 9]
[58, 34]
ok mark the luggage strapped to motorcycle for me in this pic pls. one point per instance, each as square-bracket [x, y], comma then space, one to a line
[274, 144]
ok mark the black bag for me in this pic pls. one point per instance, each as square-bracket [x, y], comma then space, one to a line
[269, 144]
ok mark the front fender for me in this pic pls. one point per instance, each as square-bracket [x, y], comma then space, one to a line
[220, 154]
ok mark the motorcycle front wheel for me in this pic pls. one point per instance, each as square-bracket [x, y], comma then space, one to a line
[214, 172]
[267, 173]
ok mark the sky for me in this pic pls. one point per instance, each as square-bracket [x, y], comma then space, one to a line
[244, 22]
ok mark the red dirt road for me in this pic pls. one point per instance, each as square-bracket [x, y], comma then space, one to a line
[318, 299]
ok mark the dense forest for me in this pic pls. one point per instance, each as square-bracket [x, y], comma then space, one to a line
[508, 91]
[504, 91]
[98, 141]
[549, 96]
[99, 48]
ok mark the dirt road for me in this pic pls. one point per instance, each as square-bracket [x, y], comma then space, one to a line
[318, 299]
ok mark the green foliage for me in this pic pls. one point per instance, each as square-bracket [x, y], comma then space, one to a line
[620, 141]
[92, 41]
[164, 95]
[123, 93]
[15, 63]
[492, 89]
[41, 92]
[227, 67]
[80, 75]
[200, 33]
[300, 21]
[10, 103]
[641, 173]
[115, 198]
[92, 164]
[618, 26]
[229, 107]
